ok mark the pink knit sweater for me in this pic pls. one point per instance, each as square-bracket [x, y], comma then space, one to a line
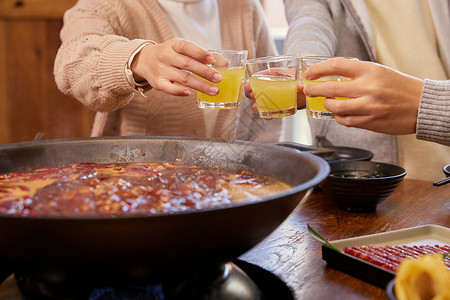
[98, 38]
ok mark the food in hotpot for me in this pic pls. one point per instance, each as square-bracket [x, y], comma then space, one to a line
[85, 189]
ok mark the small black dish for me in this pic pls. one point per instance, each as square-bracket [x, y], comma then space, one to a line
[359, 186]
[447, 170]
[332, 153]
[348, 154]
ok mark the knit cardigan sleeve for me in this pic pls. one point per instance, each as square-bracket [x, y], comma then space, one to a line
[433, 121]
[90, 63]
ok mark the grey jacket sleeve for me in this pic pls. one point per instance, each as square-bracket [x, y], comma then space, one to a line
[433, 120]
[311, 28]
[329, 27]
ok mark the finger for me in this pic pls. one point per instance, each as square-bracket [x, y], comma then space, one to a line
[219, 60]
[344, 107]
[248, 90]
[188, 80]
[194, 59]
[337, 66]
[168, 87]
[286, 72]
[192, 50]
[332, 89]
[255, 106]
[301, 99]
[188, 64]
[354, 107]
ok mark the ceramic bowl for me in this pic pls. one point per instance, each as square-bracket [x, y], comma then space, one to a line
[390, 292]
[447, 170]
[359, 186]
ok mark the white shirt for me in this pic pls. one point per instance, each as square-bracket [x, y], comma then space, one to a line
[197, 21]
[194, 20]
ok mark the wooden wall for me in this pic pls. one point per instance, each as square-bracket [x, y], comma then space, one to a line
[30, 102]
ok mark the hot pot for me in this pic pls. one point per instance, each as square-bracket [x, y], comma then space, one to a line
[142, 249]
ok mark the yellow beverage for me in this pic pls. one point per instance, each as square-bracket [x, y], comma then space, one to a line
[230, 90]
[315, 106]
[276, 96]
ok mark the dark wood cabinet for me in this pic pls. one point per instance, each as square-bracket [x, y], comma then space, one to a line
[30, 102]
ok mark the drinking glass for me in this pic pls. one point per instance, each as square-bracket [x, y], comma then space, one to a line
[314, 105]
[231, 64]
[274, 81]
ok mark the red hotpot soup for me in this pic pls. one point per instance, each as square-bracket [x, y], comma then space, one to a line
[91, 189]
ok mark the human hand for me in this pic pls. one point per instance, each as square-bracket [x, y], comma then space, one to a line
[382, 99]
[250, 94]
[167, 67]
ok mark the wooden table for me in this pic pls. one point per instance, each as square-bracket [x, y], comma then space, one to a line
[292, 254]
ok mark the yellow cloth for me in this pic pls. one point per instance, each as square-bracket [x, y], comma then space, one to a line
[405, 39]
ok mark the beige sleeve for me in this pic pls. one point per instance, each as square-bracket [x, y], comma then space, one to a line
[90, 63]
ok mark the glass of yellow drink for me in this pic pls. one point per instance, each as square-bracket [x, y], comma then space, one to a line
[314, 105]
[274, 81]
[231, 64]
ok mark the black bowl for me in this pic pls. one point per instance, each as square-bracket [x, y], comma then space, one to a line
[358, 186]
[447, 170]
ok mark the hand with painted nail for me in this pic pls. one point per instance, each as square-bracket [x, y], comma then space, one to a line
[167, 67]
[380, 99]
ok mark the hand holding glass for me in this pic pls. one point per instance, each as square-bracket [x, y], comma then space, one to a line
[274, 82]
[314, 105]
[231, 64]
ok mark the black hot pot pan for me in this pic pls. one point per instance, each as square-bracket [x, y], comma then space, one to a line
[142, 249]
